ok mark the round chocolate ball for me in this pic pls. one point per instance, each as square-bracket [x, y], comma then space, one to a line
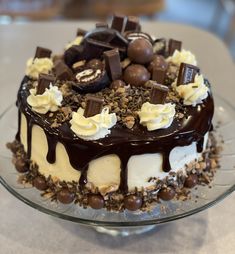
[40, 183]
[95, 201]
[95, 64]
[140, 51]
[133, 202]
[158, 62]
[65, 196]
[117, 84]
[136, 75]
[191, 181]
[21, 166]
[166, 194]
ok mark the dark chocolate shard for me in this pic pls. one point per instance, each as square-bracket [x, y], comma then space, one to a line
[113, 64]
[81, 32]
[159, 75]
[132, 24]
[158, 93]
[42, 52]
[44, 82]
[174, 45]
[101, 25]
[91, 81]
[62, 71]
[94, 106]
[187, 73]
[159, 46]
[118, 22]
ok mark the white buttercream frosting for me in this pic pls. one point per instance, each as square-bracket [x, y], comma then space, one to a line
[92, 128]
[38, 65]
[183, 56]
[193, 93]
[76, 41]
[48, 101]
[156, 116]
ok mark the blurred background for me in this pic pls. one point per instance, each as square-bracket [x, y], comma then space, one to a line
[217, 16]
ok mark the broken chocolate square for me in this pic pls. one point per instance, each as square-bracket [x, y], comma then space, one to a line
[159, 75]
[174, 45]
[118, 22]
[94, 106]
[44, 82]
[62, 71]
[158, 93]
[42, 52]
[113, 64]
[132, 24]
[187, 74]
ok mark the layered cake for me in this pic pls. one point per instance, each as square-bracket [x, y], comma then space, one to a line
[120, 120]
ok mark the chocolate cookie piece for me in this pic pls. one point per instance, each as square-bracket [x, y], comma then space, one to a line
[91, 80]
[74, 54]
[131, 36]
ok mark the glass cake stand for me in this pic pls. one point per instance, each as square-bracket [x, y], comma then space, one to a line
[126, 223]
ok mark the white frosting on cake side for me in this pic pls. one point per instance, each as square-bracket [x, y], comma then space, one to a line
[35, 66]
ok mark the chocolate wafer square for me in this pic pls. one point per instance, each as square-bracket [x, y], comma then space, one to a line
[94, 106]
[42, 52]
[174, 45]
[44, 82]
[158, 93]
[187, 74]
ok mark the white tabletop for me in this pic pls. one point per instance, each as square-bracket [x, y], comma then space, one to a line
[24, 230]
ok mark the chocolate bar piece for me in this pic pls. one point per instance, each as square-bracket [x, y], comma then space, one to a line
[158, 94]
[118, 22]
[187, 73]
[101, 25]
[63, 72]
[173, 45]
[94, 106]
[159, 75]
[132, 24]
[81, 32]
[113, 64]
[44, 82]
[42, 52]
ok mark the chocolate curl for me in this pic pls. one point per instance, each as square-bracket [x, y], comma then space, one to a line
[173, 45]
[118, 22]
[63, 72]
[132, 24]
[42, 52]
[113, 64]
[159, 75]
[187, 73]
[158, 94]
[44, 82]
[94, 106]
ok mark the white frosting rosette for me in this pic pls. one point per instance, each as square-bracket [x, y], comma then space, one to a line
[94, 127]
[193, 93]
[156, 116]
[38, 65]
[48, 101]
[183, 56]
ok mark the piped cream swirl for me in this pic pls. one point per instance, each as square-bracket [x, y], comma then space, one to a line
[38, 65]
[183, 56]
[92, 128]
[193, 93]
[156, 116]
[48, 101]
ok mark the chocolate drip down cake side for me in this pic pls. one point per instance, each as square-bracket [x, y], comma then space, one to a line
[120, 120]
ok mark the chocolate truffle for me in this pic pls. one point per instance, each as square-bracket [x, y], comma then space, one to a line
[158, 62]
[140, 51]
[40, 183]
[166, 194]
[191, 181]
[21, 166]
[117, 84]
[65, 196]
[96, 201]
[136, 75]
[133, 202]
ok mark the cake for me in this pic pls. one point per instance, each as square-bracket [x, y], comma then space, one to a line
[120, 120]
